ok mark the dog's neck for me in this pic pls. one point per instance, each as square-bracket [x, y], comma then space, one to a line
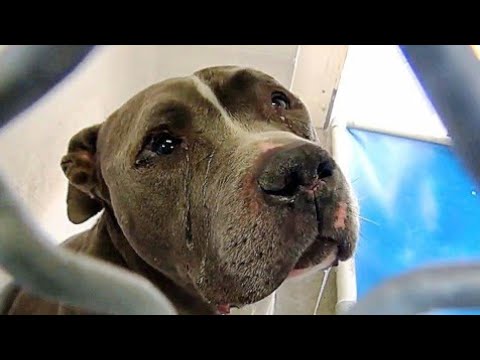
[185, 299]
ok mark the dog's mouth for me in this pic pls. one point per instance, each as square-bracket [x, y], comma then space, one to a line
[330, 261]
[321, 255]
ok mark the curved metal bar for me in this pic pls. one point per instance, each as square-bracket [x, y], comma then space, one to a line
[420, 291]
[450, 76]
[27, 72]
[74, 279]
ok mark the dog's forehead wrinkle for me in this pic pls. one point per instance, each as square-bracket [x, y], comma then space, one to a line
[207, 93]
[277, 136]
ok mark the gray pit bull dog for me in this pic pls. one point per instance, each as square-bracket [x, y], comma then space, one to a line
[212, 186]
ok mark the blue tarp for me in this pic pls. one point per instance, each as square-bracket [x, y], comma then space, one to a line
[420, 206]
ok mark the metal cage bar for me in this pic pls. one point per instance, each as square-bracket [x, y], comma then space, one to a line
[26, 74]
[450, 76]
[29, 72]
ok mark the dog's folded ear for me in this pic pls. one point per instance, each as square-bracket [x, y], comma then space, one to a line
[79, 166]
[80, 207]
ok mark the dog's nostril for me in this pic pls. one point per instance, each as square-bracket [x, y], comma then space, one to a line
[288, 173]
[292, 183]
[325, 169]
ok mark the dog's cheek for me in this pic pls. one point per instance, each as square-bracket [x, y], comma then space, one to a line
[150, 210]
[253, 255]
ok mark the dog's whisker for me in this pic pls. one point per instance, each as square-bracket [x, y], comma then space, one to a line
[356, 179]
[355, 212]
[361, 235]
[369, 220]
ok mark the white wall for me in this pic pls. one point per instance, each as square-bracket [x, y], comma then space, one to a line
[32, 147]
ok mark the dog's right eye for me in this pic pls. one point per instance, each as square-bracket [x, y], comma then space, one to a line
[280, 101]
[160, 143]
[163, 144]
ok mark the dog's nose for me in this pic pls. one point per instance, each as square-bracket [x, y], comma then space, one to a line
[289, 172]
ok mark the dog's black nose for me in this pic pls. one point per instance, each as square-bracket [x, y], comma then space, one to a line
[291, 171]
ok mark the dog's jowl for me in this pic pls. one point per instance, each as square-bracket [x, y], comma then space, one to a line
[213, 186]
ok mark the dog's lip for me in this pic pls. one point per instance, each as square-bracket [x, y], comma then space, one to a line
[223, 309]
[295, 273]
[331, 260]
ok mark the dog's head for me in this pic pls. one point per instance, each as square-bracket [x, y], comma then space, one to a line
[217, 180]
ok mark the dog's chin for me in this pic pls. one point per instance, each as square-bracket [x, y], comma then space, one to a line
[321, 255]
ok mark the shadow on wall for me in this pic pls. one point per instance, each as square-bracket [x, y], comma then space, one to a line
[33, 146]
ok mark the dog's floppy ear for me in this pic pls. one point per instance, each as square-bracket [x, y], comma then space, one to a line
[79, 165]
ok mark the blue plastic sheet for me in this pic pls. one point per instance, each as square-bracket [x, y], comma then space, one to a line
[420, 207]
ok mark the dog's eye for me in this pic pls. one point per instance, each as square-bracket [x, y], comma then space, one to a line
[159, 143]
[280, 101]
[163, 144]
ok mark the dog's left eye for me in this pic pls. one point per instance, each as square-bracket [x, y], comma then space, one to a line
[163, 144]
[280, 101]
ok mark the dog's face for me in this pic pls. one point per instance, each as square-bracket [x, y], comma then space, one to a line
[218, 182]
